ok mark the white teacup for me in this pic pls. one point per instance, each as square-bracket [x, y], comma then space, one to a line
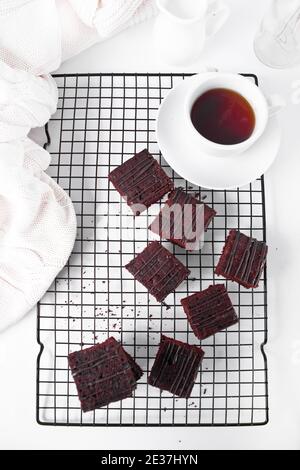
[250, 92]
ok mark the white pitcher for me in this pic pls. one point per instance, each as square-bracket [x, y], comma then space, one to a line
[183, 26]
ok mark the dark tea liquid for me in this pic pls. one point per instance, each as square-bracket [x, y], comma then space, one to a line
[223, 116]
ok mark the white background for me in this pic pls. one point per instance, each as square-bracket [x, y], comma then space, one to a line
[230, 50]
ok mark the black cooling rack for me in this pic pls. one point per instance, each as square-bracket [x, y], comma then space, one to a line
[101, 121]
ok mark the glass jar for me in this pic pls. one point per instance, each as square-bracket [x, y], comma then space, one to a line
[277, 43]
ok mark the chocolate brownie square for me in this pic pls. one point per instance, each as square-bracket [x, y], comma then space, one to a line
[103, 374]
[176, 367]
[141, 181]
[158, 270]
[183, 220]
[242, 260]
[209, 311]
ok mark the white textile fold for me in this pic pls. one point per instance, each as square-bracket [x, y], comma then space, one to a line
[37, 218]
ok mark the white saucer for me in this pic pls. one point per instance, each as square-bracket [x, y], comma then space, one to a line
[181, 150]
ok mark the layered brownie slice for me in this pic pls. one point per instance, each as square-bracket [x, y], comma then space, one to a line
[242, 260]
[141, 181]
[158, 270]
[183, 220]
[176, 367]
[103, 374]
[209, 311]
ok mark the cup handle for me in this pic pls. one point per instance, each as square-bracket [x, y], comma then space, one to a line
[276, 104]
[216, 15]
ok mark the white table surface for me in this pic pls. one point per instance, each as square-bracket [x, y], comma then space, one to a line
[230, 50]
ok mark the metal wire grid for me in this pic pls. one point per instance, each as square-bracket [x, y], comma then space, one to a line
[101, 121]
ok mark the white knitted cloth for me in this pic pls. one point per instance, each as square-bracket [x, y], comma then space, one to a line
[38, 229]
[37, 35]
[110, 17]
[37, 219]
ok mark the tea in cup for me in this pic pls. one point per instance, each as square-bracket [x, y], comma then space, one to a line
[226, 113]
